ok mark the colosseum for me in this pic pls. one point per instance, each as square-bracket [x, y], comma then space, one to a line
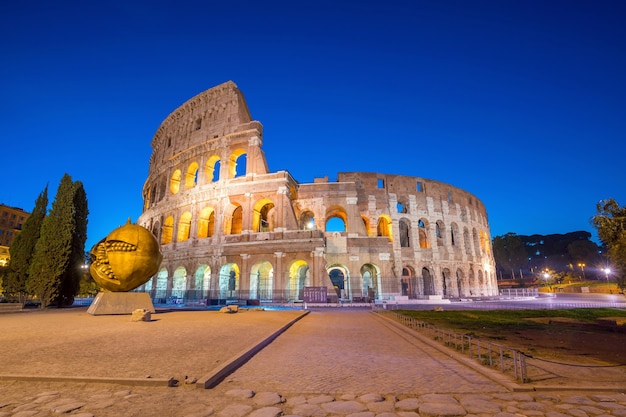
[232, 231]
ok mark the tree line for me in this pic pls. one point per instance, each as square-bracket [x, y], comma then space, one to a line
[47, 257]
[569, 255]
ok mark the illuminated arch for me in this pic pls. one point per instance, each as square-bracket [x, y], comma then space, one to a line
[383, 228]
[179, 282]
[202, 281]
[262, 220]
[298, 279]
[237, 163]
[307, 220]
[212, 169]
[161, 284]
[184, 227]
[168, 230]
[175, 182]
[423, 233]
[206, 222]
[233, 224]
[229, 281]
[191, 178]
[261, 281]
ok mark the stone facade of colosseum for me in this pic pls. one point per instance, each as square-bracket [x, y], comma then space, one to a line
[233, 231]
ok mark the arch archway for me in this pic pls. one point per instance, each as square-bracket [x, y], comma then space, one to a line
[261, 281]
[298, 279]
[428, 283]
[371, 282]
[229, 282]
[179, 282]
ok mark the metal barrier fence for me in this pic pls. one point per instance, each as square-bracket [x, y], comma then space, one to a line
[503, 358]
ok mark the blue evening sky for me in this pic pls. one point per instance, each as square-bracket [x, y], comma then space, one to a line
[520, 102]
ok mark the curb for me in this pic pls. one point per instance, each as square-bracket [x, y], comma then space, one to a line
[159, 382]
[217, 375]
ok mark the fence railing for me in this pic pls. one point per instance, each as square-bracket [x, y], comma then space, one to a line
[507, 360]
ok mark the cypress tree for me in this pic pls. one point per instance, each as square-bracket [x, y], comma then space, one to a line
[22, 250]
[54, 247]
[70, 280]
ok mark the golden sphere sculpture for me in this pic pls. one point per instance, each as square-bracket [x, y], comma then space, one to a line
[125, 259]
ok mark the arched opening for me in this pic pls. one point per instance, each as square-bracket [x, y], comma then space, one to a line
[307, 220]
[234, 223]
[298, 279]
[454, 233]
[184, 227]
[338, 279]
[212, 169]
[168, 230]
[179, 284]
[175, 181]
[466, 241]
[383, 227]
[191, 178]
[160, 293]
[262, 220]
[460, 284]
[428, 282]
[476, 242]
[439, 233]
[423, 235]
[404, 227]
[261, 281]
[336, 219]
[408, 284]
[206, 222]
[229, 282]
[371, 285]
[237, 163]
[446, 283]
[202, 282]
[472, 284]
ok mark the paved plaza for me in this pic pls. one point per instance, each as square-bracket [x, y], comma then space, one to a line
[326, 362]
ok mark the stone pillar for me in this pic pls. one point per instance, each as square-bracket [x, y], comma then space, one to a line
[244, 277]
[279, 275]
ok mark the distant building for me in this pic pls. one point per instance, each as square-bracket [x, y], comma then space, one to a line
[11, 221]
[231, 230]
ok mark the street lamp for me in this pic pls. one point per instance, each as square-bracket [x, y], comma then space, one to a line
[582, 267]
[607, 271]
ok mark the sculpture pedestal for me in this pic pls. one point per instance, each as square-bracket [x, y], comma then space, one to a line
[108, 303]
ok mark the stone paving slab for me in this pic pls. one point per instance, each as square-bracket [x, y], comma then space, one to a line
[352, 351]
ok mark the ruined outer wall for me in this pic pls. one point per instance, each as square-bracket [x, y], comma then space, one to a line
[403, 234]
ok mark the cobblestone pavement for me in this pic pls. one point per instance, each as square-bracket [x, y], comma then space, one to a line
[330, 363]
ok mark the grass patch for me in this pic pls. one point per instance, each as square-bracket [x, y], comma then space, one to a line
[495, 322]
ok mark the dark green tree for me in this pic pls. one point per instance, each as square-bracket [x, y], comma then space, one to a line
[70, 280]
[509, 252]
[54, 249]
[611, 225]
[22, 250]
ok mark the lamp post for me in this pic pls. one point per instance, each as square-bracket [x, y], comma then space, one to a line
[607, 271]
[582, 267]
